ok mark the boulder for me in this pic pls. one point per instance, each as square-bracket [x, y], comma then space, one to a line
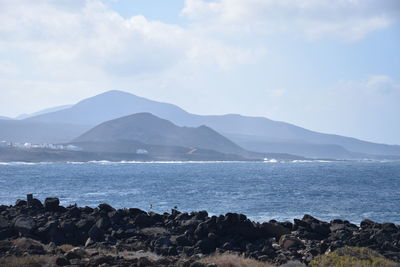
[367, 224]
[85, 224]
[107, 260]
[36, 204]
[321, 230]
[182, 240]
[30, 246]
[6, 233]
[73, 212]
[273, 230]
[61, 261]
[337, 226]
[75, 253]
[289, 241]
[389, 228]
[134, 212]
[206, 245]
[202, 230]
[301, 224]
[163, 241]
[105, 208]
[51, 232]
[4, 223]
[143, 220]
[103, 223]
[95, 233]
[310, 219]
[25, 225]
[144, 262]
[5, 245]
[21, 203]
[51, 204]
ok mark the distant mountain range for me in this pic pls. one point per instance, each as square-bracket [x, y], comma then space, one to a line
[250, 133]
[44, 111]
[156, 135]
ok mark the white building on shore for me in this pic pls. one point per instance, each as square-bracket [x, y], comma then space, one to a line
[4, 144]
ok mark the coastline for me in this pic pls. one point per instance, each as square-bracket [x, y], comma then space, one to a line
[179, 235]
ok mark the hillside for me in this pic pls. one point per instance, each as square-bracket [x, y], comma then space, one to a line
[108, 106]
[44, 111]
[149, 129]
[252, 133]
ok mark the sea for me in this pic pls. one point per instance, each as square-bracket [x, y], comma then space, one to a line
[263, 191]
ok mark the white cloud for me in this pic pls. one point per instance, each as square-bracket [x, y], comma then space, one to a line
[88, 39]
[88, 34]
[374, 87]
[347, 20]
[46, 45]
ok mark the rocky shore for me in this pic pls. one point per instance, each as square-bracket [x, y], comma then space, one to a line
[104, 236]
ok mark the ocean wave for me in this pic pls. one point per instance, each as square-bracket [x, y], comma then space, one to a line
[106, 162]
[312, 161]
[16, 163]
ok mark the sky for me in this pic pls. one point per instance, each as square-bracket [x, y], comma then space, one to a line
[331, 66]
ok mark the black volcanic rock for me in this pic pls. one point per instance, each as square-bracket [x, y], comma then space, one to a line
[24, 225]
[179, 234]
[51, 204]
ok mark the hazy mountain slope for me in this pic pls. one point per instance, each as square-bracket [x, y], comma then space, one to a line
[155, 152]
[5, 118]
[38, 132]
[249, 132]
[149, 129]
[109, 106]
[44, 111]
[293, 147]
[243, 129]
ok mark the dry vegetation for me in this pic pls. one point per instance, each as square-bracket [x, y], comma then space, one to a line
[66, 247]
[231, 260]
[28, 261]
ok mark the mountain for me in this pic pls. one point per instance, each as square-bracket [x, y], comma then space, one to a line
[149, 129]
[5, 118]
[252, 133]
[109, 106]
[38, 132]
[258, 132]
[44, 111]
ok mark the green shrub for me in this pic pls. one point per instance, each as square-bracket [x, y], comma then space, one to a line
[352, 257]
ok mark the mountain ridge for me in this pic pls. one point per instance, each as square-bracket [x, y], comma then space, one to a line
[150, 129]
[248, 132]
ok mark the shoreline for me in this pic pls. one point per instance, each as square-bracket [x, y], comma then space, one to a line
[178, 235]
[104, 162]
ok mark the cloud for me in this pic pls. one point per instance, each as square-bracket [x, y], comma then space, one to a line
[48, 45]
[375, 86]
[87, 38]
[347, 20]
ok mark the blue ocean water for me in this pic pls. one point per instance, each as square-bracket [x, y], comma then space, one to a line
[262, 191]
